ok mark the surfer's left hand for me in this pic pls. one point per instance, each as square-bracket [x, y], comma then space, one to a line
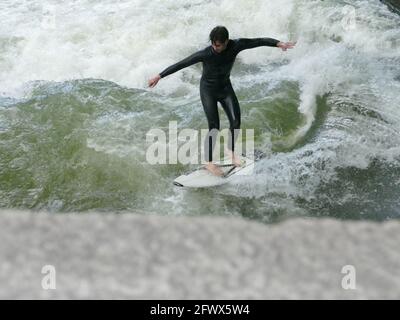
[286, 45]
[153, 81]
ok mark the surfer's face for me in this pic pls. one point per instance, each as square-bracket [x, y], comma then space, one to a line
[219, 46]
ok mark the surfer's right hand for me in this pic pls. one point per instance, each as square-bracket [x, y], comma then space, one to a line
[154, 81]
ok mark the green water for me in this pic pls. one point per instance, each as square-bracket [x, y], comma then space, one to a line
[80, 145]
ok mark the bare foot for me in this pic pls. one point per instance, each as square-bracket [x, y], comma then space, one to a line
[235, 159]
[214, 169]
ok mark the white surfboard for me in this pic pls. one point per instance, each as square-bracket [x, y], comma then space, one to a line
[202, 178]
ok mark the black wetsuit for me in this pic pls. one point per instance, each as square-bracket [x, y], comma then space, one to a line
[215, 85]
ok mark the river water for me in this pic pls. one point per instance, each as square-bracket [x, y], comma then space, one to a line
[75, 107]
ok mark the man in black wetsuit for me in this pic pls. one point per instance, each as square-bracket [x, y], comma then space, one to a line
[215, 84]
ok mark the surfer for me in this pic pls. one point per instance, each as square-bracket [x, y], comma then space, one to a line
[215, 85]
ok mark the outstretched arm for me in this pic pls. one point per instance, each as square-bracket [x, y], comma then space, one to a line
[192, 59]
[246, 43]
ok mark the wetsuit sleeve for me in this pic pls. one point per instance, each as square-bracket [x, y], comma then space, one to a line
[192, 59]
[246, 43]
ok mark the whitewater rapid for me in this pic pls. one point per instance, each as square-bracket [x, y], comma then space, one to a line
[75, 107]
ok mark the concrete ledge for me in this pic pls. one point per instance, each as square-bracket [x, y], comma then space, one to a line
[135, 256]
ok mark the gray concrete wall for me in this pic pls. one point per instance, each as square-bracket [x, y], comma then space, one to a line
[164, 257]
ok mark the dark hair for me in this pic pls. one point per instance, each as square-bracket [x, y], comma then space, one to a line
[219, 33]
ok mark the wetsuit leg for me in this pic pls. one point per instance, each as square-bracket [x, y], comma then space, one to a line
[209, 101]
[231, 106]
